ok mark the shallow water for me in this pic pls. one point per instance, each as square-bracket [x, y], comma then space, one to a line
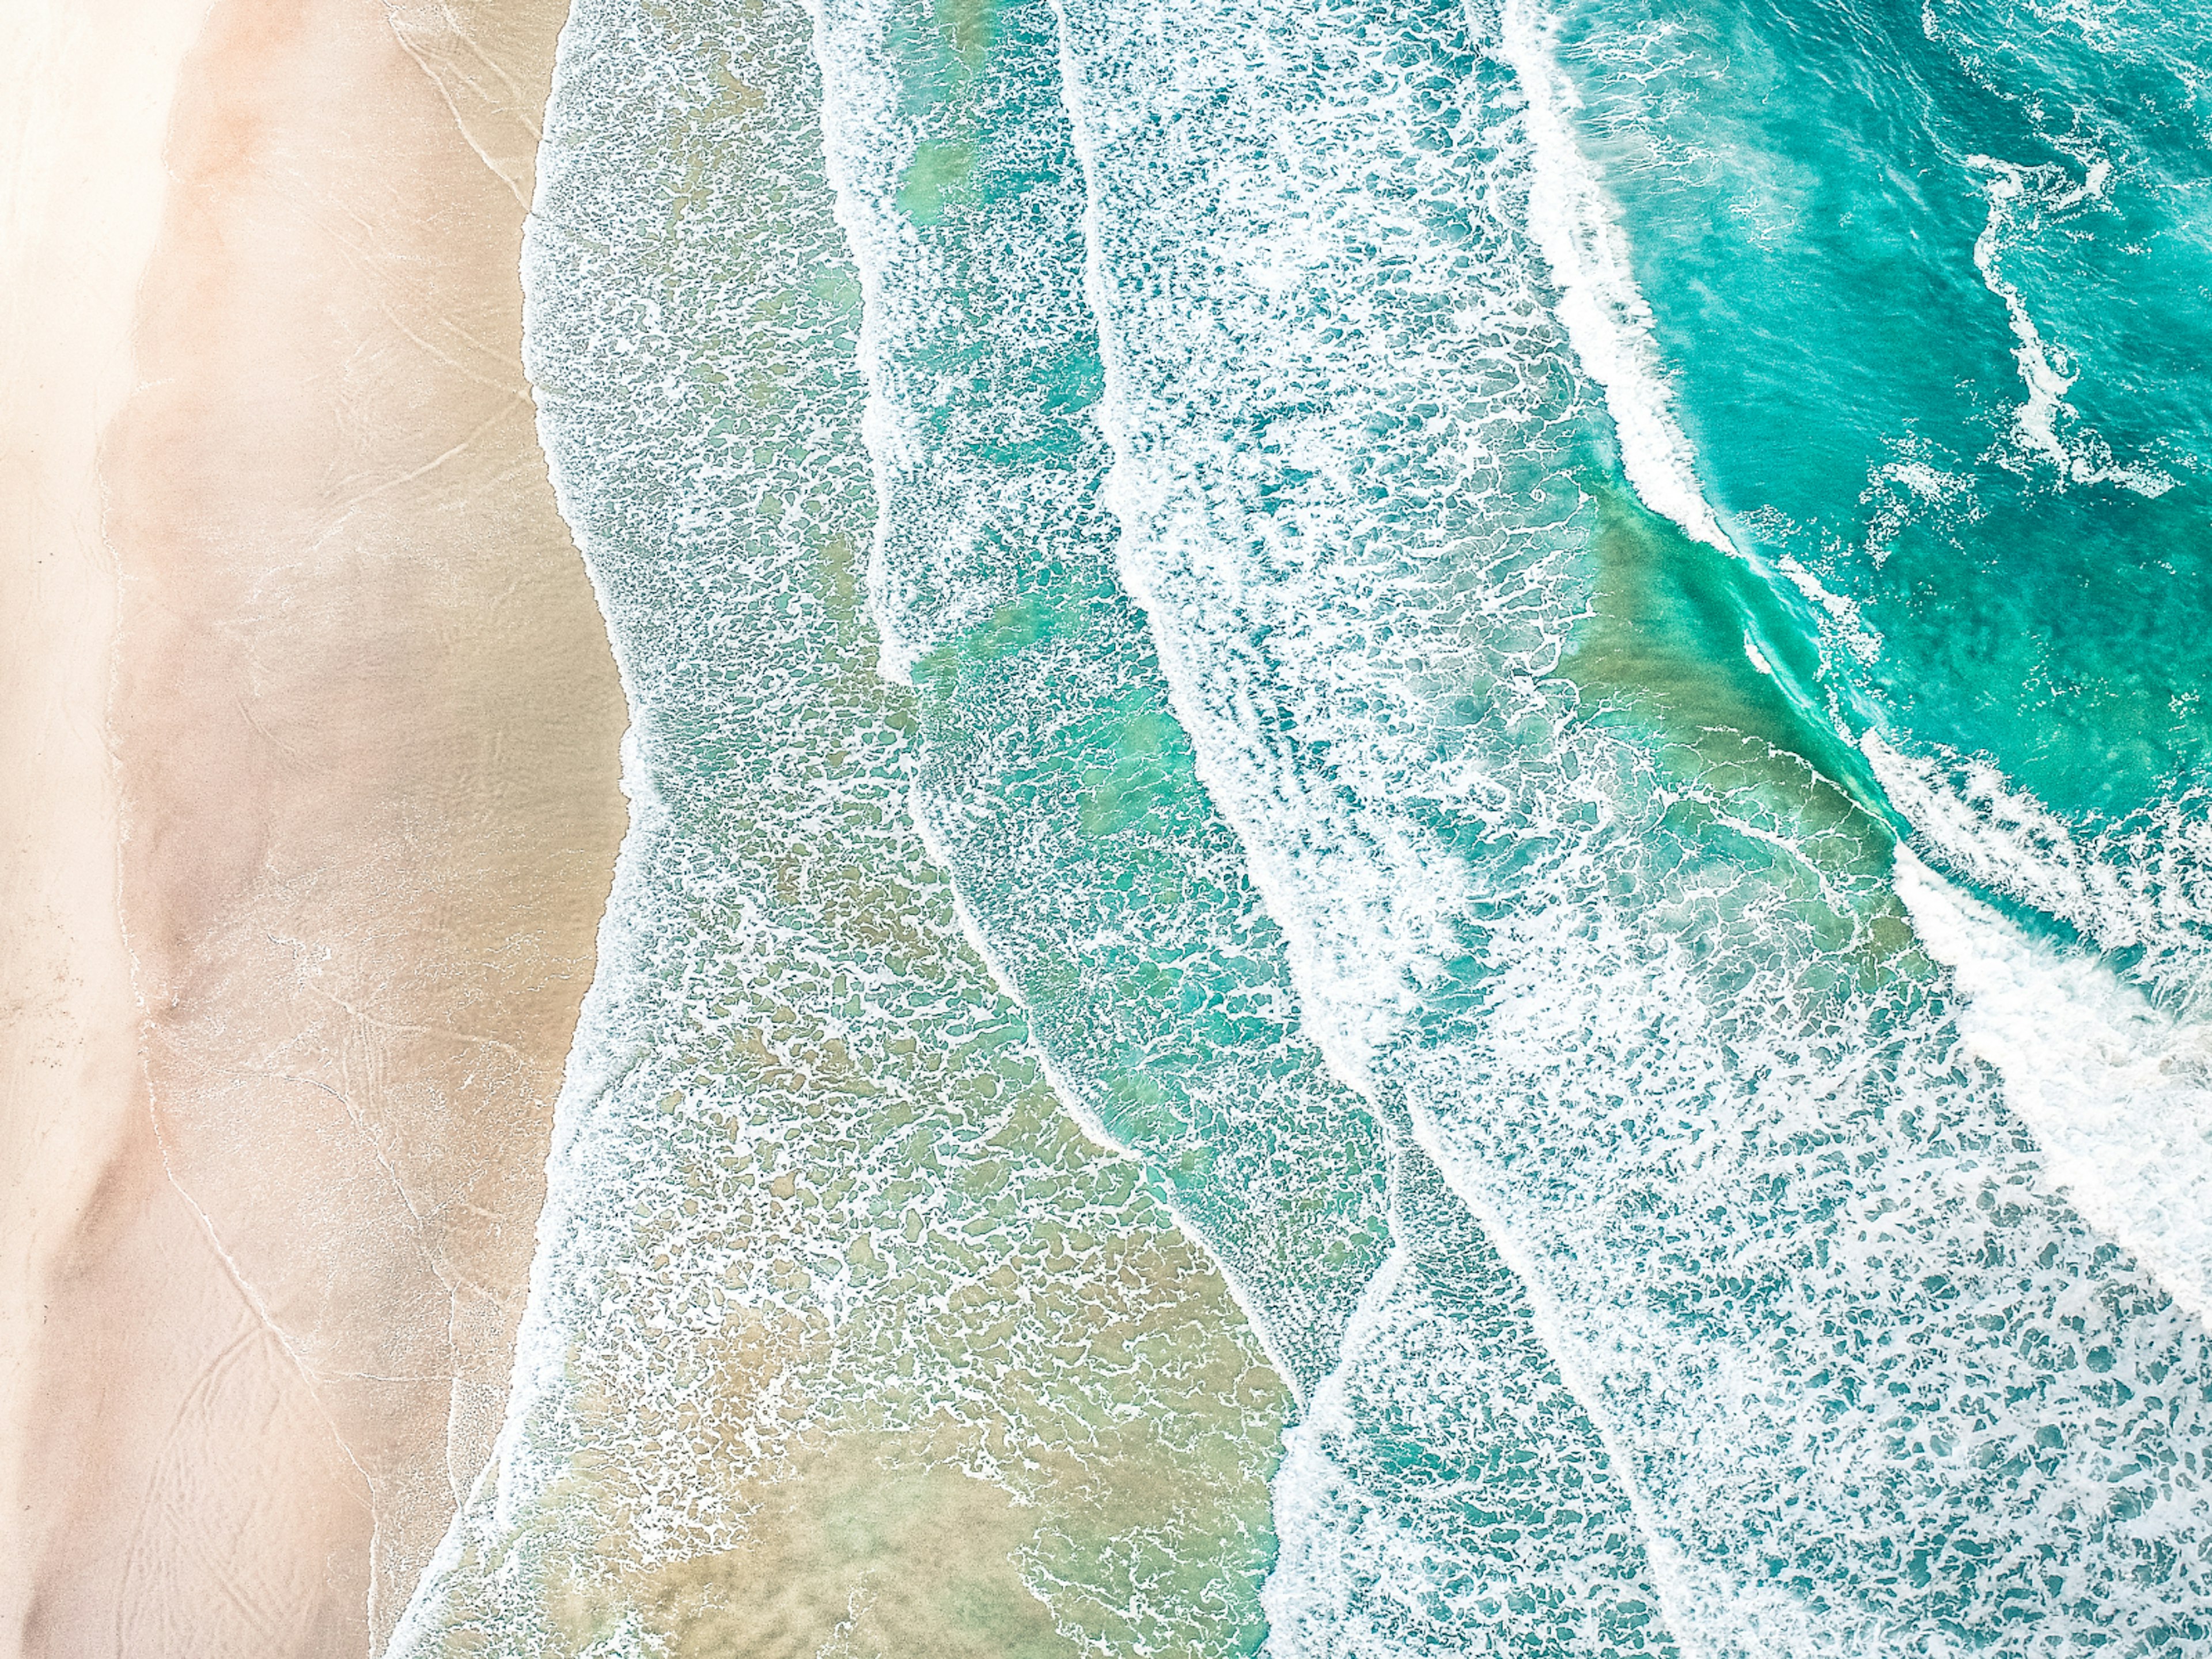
[1418, 837]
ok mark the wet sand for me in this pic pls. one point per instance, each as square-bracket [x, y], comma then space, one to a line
[364, 729]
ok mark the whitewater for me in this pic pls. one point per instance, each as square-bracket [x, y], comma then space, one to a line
[1297, 970]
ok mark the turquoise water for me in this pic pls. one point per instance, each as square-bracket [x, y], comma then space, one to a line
[1850, 226]
[1419, 836]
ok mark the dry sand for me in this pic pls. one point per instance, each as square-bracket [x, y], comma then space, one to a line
[84, 100]
[364, 730]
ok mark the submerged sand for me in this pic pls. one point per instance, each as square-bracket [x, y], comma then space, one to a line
[353, 810]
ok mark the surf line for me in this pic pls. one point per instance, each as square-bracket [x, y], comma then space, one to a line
[1338, 1032]
[1610, 325]
[858, 111]
[2026, 1008]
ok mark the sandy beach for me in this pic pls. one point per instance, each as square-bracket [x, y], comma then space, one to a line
[88, 91]
[323, 732]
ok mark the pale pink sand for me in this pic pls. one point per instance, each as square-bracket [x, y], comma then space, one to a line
[365, 727]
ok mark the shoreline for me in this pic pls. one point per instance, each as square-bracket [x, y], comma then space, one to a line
[364, 724]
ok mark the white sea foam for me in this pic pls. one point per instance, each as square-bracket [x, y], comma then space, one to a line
[1766, 1218]
[2078, 455]
[1394, 893]
[1899, 492]
[1360, 966]
[2118, 1087]
[2143, 885]
[958, 528]
[1312, 1597]
[805, 1183]
[1446, 1488]
[2118, 1092]
[1601, 306]
[867, 149]
[1481, 1395]
[1261, 1313]
[1397, 889]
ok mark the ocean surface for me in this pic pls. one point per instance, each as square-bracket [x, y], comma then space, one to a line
[1422, 835]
